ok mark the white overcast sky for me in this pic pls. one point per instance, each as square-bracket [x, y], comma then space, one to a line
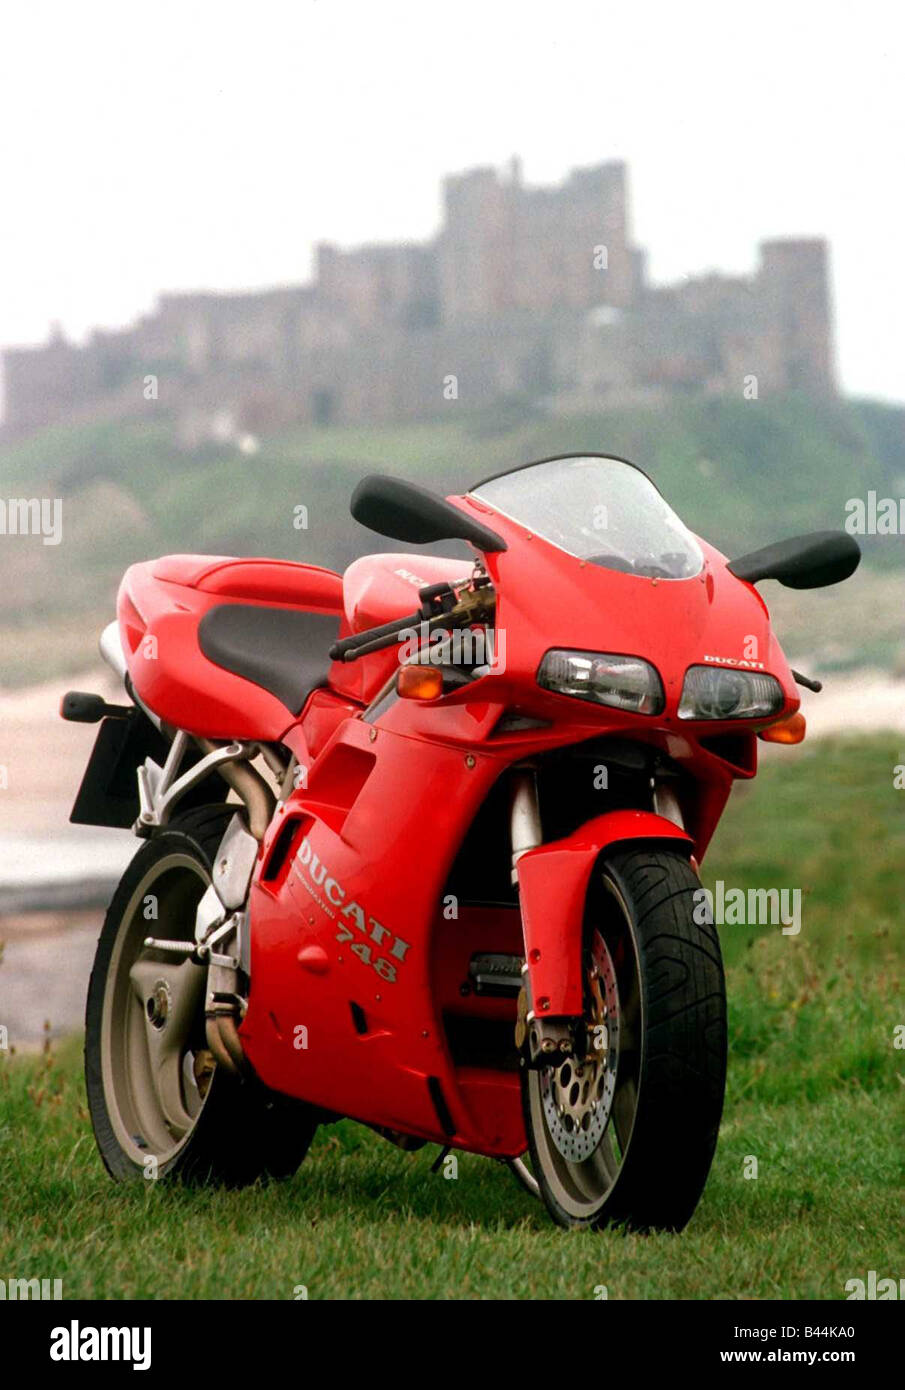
[208, 145]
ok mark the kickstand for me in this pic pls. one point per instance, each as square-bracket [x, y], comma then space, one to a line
[523, 1174]
[435, 1166]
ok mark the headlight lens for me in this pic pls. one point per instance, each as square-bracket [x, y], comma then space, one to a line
[625, 682]
[718, 692]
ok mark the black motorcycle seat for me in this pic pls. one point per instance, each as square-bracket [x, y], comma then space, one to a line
[283, 650]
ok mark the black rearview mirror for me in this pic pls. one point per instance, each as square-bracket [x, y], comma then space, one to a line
[802, 562]
[406, 512]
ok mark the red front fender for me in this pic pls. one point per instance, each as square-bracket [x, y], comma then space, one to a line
[553, 884]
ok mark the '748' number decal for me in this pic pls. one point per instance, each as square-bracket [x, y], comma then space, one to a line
[385, 968]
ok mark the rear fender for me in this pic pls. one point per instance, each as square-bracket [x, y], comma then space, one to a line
[553, 885]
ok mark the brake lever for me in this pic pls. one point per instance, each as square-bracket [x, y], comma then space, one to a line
[806, 681]
[339, 651]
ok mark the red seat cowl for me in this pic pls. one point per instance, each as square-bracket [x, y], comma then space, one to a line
[186, 569]
[258, 580]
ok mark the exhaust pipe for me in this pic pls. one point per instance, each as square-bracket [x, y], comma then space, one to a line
[111, 649]
[259, 800]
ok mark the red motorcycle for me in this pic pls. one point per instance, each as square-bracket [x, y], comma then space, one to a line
[422, 841]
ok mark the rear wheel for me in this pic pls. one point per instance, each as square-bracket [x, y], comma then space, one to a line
[625, 1130]
[155, 1091]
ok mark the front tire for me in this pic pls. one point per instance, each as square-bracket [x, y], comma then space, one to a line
[625, 1132]
[154, 1090]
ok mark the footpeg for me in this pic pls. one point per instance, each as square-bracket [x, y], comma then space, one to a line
[496, 976]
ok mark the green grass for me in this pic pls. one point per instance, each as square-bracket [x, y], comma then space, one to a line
[815, 1094]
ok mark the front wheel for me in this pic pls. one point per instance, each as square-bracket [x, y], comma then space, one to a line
[624, 1131]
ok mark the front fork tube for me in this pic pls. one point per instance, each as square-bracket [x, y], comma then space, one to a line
[524, 815]
[525, 834]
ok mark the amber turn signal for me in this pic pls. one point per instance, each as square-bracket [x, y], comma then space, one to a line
[791, 730]
[419, 682]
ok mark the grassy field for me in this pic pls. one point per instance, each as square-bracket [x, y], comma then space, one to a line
[815, 1094]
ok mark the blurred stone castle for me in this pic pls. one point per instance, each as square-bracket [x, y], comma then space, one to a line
[526, 293]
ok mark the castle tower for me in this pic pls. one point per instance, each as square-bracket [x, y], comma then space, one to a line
[476, 247]
[793, 282]
[506, 247]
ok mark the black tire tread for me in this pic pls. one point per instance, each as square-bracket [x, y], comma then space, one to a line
[683, 1068]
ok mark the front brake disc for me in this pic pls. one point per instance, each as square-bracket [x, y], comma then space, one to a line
[577, 1094]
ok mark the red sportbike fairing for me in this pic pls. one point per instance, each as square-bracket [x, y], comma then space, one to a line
[456, 897]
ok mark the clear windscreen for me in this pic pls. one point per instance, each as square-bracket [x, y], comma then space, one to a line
[601, 510]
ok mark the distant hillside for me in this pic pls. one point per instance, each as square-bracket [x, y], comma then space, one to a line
[740, 473]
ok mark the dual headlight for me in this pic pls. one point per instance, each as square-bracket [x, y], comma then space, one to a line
[716, 692]
[627, 682]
